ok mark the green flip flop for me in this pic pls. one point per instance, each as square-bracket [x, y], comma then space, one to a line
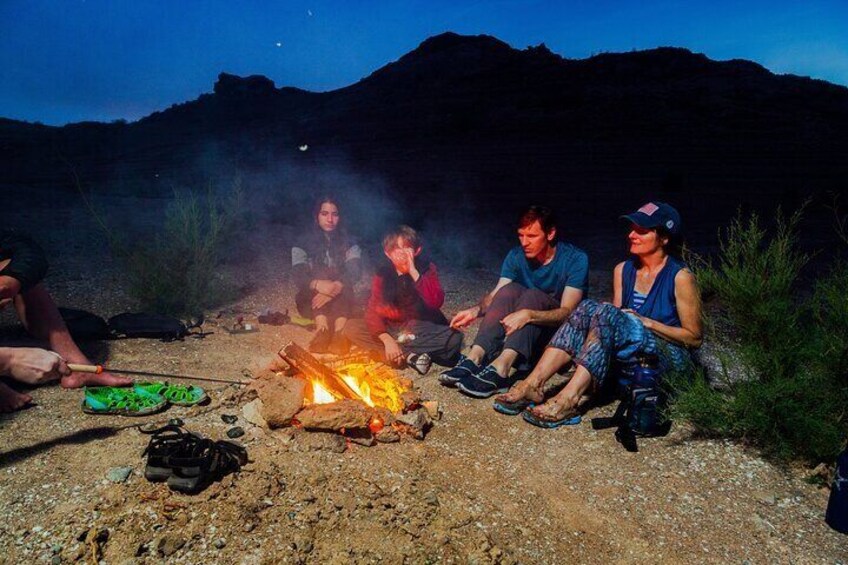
[121, 401]
[178, 395]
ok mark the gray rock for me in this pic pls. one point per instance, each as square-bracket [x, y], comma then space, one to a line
[431, 498]
[765, 498]
[119, 474]
[252, 412]
[220, 543]
[169, 545]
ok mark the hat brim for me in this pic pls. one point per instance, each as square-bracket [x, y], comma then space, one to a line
[641, 219]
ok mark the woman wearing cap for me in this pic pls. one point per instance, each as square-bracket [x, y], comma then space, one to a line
[656, 312]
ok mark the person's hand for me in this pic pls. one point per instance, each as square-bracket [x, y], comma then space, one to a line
[9, 287]
[323, 287]
[409, 259]
[5, 302]
[35, 366]
[336, 288]
[403, 259]
[515, 321]
[647, 322]
[464, 318]
[320, 300]
[394, 354]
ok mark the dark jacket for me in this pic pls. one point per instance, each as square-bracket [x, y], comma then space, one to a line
[316, 256]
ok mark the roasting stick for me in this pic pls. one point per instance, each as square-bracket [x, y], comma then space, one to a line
[97, 369]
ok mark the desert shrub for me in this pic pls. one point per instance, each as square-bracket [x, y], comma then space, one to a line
[178, 272]
[786, 344]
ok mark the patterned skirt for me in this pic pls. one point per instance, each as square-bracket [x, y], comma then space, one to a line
[602, 338]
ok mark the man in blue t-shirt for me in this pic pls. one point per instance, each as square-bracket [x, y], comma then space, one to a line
[541, 282]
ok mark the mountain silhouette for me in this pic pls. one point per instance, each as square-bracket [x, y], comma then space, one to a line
[471, 120]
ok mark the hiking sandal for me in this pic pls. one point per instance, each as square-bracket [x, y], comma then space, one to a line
[178, 395]
[121, 401]
[210, 461]
[167, 442]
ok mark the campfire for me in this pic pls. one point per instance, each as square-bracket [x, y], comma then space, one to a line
[363, 400]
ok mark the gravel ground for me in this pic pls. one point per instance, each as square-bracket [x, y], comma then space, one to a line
[481, 488]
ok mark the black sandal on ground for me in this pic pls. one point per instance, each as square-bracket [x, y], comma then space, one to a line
[208, 462]
[167, 442]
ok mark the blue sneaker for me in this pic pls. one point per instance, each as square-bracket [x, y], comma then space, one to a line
[486, 383]
[465, 368]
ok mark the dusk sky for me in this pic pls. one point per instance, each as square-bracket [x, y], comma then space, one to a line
[72, 60]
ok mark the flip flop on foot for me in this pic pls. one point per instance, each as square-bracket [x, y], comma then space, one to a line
[512, 408]
[515, 400]
[570, 418]
[121, 401]
[178, 395]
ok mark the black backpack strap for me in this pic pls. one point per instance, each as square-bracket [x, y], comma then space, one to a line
[617, 419]
[623, 434]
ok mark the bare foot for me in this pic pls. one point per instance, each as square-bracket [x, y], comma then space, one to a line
[520, 391]
[555, 409]
[79, 380]
[11, 400]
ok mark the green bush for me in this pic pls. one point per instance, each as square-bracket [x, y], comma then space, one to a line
[178, 272]
[784, 344]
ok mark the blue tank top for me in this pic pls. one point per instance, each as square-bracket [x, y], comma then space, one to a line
[660, 303]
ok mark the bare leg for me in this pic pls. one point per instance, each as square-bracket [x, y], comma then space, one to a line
[553, 359]
[477, 354]
[339, 324]
[321, 323]
[42, 320]
[504, 361]
[568, 399]
[11, 400]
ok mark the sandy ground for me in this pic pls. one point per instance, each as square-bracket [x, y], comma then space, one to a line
[482, 487]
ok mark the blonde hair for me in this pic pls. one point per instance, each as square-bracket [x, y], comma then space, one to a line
[403, 232]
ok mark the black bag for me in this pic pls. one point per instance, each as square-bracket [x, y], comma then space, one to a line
[154, 326]
[84, 326]
[639, 414]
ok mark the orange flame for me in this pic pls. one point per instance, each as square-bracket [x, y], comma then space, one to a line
[375, 385]
[321, 395]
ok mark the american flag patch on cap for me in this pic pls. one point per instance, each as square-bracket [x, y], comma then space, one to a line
[649, 208]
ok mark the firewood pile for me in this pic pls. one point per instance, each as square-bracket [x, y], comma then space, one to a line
[366, 402]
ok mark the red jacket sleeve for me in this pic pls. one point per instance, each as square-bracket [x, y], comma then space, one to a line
[373, 319]
[378, 311]
[430, 289]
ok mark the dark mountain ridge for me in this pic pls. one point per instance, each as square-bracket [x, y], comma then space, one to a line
[470, 121]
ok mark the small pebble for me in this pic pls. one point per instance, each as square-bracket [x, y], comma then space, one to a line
[220, 543]
[235, 432]
[175, 422]
[229, 418]
[119, 474]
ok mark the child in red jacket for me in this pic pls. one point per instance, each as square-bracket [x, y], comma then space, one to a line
[403, 322]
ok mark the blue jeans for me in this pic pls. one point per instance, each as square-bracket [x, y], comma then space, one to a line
[597, 336]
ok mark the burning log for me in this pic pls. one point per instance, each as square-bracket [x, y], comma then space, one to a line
[313, 369]
[348, 414]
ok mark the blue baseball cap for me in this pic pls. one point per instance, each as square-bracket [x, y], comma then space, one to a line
[656, 215]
